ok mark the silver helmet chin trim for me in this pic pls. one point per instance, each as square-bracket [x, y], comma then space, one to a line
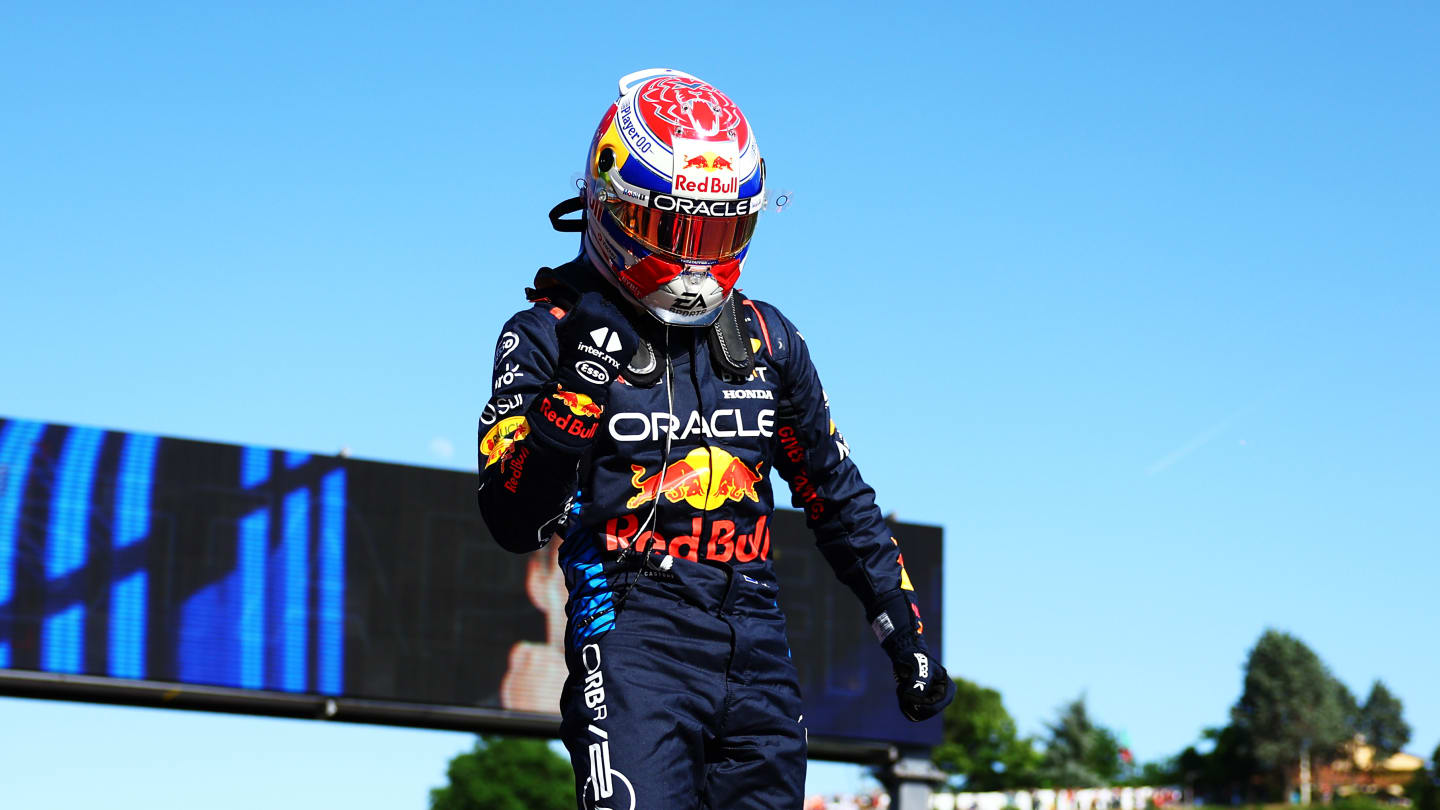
[659, 304]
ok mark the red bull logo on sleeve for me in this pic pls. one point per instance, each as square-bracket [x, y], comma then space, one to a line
[501, 439]
[706, 479]
[575, 422]
[579, 404]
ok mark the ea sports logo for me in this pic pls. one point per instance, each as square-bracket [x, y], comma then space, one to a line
[689, 302]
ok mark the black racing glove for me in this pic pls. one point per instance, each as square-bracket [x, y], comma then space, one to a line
[922, 685]
[596, 341]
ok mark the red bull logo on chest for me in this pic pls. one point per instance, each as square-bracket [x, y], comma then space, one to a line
[706, 478]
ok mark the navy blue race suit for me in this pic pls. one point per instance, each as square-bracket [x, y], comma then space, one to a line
[681, 691]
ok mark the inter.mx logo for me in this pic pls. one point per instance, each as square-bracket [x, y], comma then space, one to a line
[612, 344]
[607, 342]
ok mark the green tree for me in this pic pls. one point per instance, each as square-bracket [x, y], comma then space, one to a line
[1227, 773]
[502, 773]
[1190, 767]
[1382, 721]
[1158, 772]
[1078, 752]
[1424, 790]
[1291, 705]
[981, 743]
[1349, 720]
[1349, 710]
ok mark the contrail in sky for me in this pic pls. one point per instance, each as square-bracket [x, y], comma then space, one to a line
[1209, 435]
[1187, 448]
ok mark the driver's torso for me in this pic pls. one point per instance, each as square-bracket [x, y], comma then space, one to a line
[708, 495]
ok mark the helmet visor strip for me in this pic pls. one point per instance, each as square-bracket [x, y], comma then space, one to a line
[687, 236]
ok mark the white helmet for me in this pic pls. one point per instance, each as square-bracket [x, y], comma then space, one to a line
[673, 187]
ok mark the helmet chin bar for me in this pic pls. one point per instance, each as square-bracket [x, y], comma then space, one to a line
[671, 286]
[649, 275]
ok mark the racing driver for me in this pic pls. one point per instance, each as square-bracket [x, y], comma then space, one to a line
[638, 406]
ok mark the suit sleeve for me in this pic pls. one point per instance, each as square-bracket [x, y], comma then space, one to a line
[839, 506]
[526, 482]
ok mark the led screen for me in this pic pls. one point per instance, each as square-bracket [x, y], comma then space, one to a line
[132, 556]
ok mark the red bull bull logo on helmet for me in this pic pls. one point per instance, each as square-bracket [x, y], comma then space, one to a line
[706, 169]
[706, 479]
[709, 161]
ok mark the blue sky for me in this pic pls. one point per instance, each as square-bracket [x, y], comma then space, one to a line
[1138, 301]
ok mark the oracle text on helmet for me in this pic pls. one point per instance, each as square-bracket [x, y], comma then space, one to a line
[706, 208]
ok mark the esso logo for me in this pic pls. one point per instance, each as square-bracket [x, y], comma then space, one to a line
[593, 372]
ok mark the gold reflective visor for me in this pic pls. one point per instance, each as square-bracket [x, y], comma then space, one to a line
[700, 234]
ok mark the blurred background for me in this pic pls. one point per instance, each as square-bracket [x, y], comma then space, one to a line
[1170, 272]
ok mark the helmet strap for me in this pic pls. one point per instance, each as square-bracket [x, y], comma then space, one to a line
[569, 206]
